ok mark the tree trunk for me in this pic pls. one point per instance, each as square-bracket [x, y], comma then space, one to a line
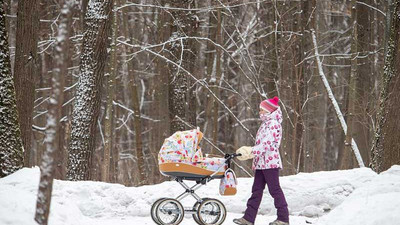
[333, 100]
[388, 21]
[210, 76]
[347, 159]
[84, 5]
[214, 69]
[109, 117]
[316, 109]
[62, 57]
[11, 149]
[385, 151]
[218, 74]
[25, 68]
[185, 24]
[137, 123]
[47, 167]
[307, 22]
[366, 73]
[87, 99]
[162, 126]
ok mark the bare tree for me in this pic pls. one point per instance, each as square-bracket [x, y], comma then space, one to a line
[108, 120]
[47, 166]
[25, 68]
[135, 99]
[87, 99]
[346, 159]
[63, 61]
[385, 151]
[212, 62]
[184, 24]
[11, 149]
[161, 109]
[216, 78]
[334, 102]
[367, 73]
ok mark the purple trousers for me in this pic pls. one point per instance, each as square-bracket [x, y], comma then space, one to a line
[271, 178]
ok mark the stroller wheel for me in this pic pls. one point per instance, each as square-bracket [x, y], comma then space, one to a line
[153, 210]
[196, 208]
[211, 211]
[168, 211]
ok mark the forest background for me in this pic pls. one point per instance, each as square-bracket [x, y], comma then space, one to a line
[100, 84]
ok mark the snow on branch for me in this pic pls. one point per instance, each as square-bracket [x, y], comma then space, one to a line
[145, 48]
[245, 45]
[131, 112]
[205, 85]
[334, 102]
[202, 9]
[370, 6]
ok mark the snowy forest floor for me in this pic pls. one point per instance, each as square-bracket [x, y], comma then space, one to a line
[261, 220]
[356, 197]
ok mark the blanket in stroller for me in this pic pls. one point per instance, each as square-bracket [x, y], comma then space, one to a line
[183, 148]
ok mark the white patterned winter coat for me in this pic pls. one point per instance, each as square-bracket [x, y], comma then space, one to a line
[268, 140]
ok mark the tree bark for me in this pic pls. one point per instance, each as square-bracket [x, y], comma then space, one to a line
[218, 74]
[214, 69]
[11, 149]
[180, 96]
[366, 73]
[162, 126]
[385, 151]
[315, 111]
[25, 68]
[62, 55]
[137, 123]
[210, 64]
[307, 19]
[346, 160]
[88, 95]
[109, 117]
[47, 167]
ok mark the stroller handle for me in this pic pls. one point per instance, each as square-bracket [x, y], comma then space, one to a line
[231, 156]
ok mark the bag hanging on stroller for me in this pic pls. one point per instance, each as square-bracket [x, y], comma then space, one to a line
[181, 158]
[228, 184]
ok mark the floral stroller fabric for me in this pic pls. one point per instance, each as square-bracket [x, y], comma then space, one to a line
[181, 153]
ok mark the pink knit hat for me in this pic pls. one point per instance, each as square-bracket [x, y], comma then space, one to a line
[270, 105]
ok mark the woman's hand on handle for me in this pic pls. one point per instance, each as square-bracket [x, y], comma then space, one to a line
[246, 152]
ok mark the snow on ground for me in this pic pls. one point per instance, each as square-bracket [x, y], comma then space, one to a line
[261, 220]
[310, 197]
[377, 202]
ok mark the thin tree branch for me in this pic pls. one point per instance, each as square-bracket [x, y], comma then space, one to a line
[212, 144]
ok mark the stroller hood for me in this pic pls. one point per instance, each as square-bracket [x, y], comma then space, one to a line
[182, 146]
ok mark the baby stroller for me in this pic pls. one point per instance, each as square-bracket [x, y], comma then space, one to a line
[181, 158]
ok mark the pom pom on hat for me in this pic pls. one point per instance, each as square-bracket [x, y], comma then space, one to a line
[270, 105]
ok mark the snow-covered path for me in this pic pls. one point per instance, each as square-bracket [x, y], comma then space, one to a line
[314, 198]
[261, 220]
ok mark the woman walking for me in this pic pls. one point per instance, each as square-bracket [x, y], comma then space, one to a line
[266, 164]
